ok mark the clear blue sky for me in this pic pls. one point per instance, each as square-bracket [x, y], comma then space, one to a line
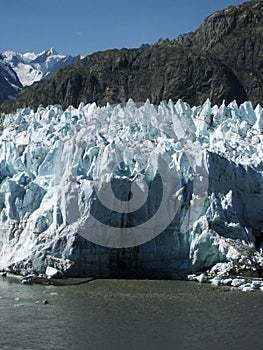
[85, 26]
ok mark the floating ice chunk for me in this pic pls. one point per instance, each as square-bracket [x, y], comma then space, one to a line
[226, 281]
[29, 279]
[256, 284]
[201, 278]
[216, 281]
[237, 282]
[247, 288]
[52, 272]
[193, 277]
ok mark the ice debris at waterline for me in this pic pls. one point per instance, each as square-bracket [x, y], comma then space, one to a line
[146, 192]
[237, 284]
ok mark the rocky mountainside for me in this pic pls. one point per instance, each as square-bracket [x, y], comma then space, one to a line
[223, 59]
[235, 36]
[9, 82]
[28, 68]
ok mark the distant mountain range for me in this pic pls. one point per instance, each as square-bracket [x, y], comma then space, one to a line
[21, 70]
[221, 60]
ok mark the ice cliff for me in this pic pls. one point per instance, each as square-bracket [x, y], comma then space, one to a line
[125, 191]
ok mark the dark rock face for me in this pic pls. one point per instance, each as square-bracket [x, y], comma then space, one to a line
[60, 65]
[223, 59]
[235, 36]
[9, 82]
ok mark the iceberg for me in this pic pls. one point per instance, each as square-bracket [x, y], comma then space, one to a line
[150, 191]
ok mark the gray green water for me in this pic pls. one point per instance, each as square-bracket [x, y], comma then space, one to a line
[129, 314]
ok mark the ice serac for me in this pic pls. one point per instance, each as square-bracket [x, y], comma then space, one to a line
[147, 192]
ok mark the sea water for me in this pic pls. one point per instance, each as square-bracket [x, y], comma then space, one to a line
[129, 314]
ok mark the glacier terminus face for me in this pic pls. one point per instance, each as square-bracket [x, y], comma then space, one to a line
[155, 191]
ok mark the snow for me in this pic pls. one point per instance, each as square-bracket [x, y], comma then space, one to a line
[30, 56]
[28, 75]
[31, 67]
[168, 190]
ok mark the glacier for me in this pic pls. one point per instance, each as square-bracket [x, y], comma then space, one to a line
[126, 191]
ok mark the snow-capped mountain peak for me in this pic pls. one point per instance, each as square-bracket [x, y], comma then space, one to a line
[31, 67]
[29, 56]
[46, 55]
